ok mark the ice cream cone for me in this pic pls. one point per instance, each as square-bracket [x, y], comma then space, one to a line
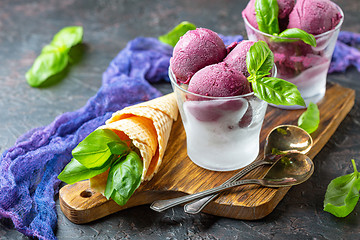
[148, 126]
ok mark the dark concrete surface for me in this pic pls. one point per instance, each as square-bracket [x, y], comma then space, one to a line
[26, 26]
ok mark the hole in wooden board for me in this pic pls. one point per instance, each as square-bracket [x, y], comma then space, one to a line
[86, 193]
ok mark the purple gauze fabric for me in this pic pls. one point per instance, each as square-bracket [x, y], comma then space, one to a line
[29, 169]
[346, 54]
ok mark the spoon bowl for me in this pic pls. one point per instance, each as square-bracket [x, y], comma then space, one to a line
[291, 169]
[288, 138]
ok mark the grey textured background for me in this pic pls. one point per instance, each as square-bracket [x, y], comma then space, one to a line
[26, 26]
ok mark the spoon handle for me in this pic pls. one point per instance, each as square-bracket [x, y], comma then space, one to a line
[196, 206]
[161, 205]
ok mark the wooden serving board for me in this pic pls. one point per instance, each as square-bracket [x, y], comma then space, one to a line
[179, 176]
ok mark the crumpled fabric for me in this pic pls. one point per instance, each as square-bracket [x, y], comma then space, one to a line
[346, 53]
[29, 169]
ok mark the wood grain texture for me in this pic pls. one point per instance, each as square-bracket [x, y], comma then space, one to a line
[179, 176]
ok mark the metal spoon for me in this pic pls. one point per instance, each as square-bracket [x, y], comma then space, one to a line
[291, 169]
[281, 139]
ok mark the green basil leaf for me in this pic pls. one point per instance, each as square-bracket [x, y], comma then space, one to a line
[124, 178]
[54, 58]
[259, 59]
[118, 148]
[310, 119]
[342, 194]
[68, 37]
[53, 48]
[174, 35]
[47, 64]
[118, 198]
[93, 151]
[297, 33]
[108, 162]
[277, 91]
[267, 12]
[75, 172]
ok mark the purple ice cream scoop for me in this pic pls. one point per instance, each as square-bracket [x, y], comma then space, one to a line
[285, 8]
[195, 50]
[219, 80]
[314, 16]
[237, 57]
[250, 14]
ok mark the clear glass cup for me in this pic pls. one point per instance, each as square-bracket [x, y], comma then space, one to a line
[222, 133]
[300, 63]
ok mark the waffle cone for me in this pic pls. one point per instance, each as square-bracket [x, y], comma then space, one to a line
[98, 183]
[162, 112]
[166, 104]
[148, 126]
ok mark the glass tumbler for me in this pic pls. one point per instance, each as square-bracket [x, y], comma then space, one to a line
[300, 63]
[222, 133]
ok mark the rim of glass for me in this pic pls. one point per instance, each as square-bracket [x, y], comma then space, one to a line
[298, 39]
[174, 82]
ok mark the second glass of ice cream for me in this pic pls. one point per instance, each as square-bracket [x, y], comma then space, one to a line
[296, 61]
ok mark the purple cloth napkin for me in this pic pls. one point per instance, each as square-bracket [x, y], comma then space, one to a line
[29, 169]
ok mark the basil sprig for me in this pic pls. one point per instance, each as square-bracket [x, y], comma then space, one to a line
[267, 12]
[98, 152]
[124, 178]
[259, 61]
[174, 35]
[97, 149]
[94, 155]
[310, 119]
[342, 194]
[54, 57]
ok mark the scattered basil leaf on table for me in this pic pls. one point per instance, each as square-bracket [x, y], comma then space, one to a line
[46, 65]
[267, 12]
[124, 178]
[299, 34]
[75, 172]
[68, 37]
[260, 61]
[342, 194]
[54, 57]
[94, 151]
[174, 35]
[310, 119]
